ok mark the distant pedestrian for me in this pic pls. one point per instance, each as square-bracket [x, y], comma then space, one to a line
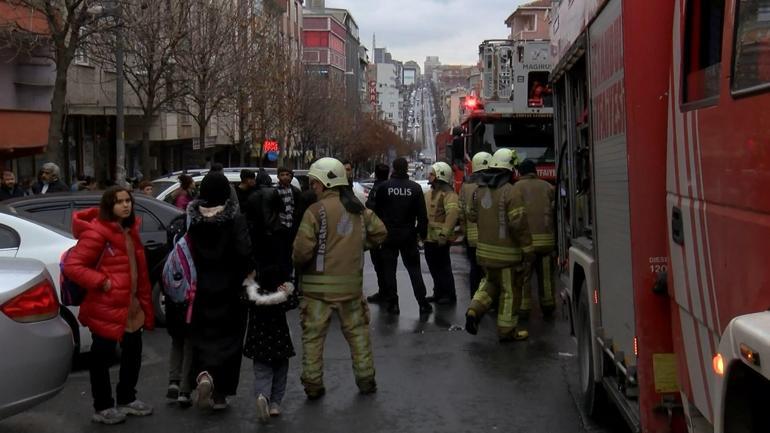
[109, 262]
[349, 171]
[246, 187]
[400, 204]
[184, 194]
[268, 340]
[50, 181]
[381, 173]
[9, 188]
[221, 250]
[145, 187]
[328, 252]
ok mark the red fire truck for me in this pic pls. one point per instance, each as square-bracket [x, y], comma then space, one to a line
[514, 107]
[662, 127]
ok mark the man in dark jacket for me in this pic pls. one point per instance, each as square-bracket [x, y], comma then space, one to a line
[290, 208]
[381, 172]
[49, 180]
[9, 188]
[245, 188]
[262, 214]
[400, 204]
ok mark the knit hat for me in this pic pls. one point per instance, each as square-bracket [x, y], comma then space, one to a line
[215, 189]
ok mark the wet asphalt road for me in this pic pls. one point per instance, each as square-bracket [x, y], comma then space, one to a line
[432, 377]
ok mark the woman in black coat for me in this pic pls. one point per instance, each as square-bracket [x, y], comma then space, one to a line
[222, 255]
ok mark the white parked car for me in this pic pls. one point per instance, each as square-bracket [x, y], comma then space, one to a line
[164, 187]
[37, 343]
[23, 238]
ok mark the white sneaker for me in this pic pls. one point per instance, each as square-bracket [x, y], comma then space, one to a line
[135, 408]
[204, 388]
[263, 413]
[109, 416]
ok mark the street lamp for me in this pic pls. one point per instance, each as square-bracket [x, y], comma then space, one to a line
[114, 10]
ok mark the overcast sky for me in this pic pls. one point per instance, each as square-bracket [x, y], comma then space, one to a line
[413, 29]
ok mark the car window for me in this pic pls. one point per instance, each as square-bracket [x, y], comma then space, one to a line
[160, 186]
[149, 222]
[56, 216]
[8, 238]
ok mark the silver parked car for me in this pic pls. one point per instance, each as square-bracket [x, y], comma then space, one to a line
[37, 343]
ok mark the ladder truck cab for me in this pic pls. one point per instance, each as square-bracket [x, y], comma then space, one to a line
[513, 108]
[663, 213]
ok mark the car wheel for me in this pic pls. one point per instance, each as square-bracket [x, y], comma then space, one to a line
[159, 304]
[592, 392]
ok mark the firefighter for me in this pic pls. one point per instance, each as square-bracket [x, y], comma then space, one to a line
[539, 202]
[443, 213]
[504, 247]
[328, 252]
[479, 164]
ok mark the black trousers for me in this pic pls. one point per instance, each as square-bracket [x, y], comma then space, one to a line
[440, 266]
[376, 255]
[102, 354]
[410, 255]
[476, 273]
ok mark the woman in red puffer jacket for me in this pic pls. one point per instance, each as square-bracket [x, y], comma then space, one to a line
[108, 262]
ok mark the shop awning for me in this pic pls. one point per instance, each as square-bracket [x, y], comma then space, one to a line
[23, 132]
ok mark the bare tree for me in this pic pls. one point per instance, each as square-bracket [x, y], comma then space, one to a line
[153, 33]
[69, 25]
[206, 58]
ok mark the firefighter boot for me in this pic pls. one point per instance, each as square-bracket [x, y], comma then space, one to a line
[471, 322]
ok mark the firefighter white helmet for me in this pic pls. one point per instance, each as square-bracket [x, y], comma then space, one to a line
[504, 158]
[329, 171]
[443, 172]
[481, 161]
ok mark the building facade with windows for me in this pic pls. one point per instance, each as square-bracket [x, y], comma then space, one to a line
[530, 21]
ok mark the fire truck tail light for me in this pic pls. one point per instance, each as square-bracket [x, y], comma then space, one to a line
[750, 355]
[719, 364]
[596, 296]
[636, 347]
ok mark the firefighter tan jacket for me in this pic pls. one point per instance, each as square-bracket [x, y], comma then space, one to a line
[443, 212]
[470, 230]
[504, 237]
[329, 248]
[539, 201]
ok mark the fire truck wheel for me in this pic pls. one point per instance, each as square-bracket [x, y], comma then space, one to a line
[592, 392]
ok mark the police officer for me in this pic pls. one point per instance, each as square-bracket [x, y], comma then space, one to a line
[443, 213]
[479, 164]
[328, 252]
[539, 202]
[503, 248]
[400, 204]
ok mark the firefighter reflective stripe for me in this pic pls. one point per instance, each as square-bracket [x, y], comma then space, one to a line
[528, 249]
[320, 257]
[332, 283]
[436, 230]
[450, 205]
[516, 212]
[505, 254]
[472, 233]
[543, 240]
[307, 229]
[505, 311]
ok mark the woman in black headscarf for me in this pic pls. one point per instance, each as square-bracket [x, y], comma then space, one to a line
[222, 254]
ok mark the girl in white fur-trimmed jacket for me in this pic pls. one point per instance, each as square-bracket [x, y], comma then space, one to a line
[268, 341]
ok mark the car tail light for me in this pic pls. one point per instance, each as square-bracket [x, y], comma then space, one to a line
[34, 305]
